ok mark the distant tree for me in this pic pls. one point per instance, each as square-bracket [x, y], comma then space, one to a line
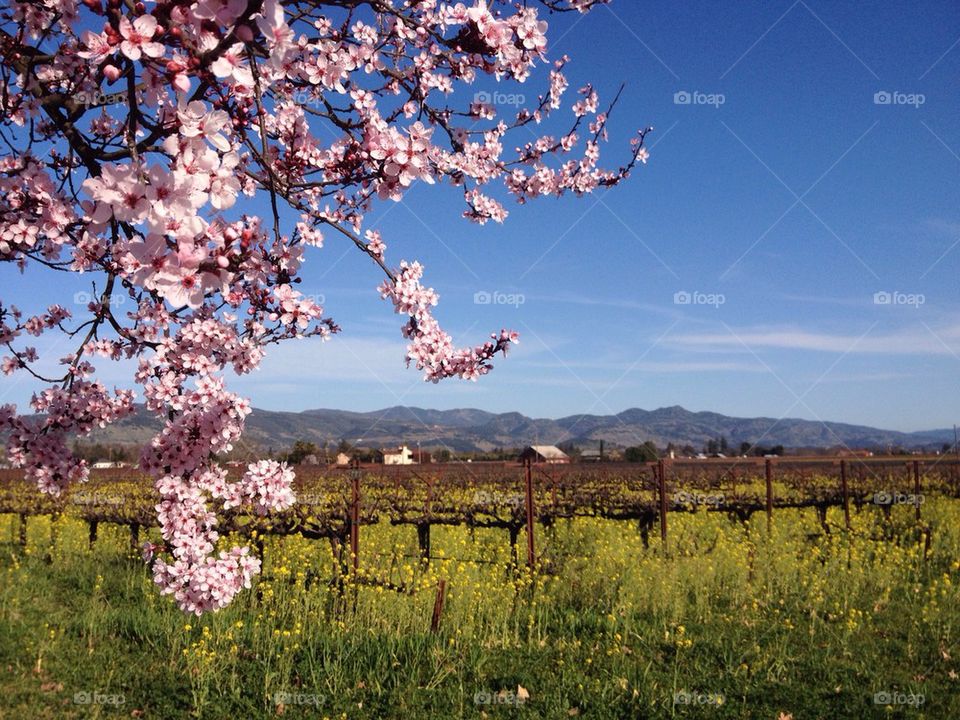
[745, 448]
[723, 444]
[367, 455]
[569, 448]
[947, 447]
[99, 452]
[119, 453]
[300, 450]
[641, 453]
[443, 455]
[713, 446]
[760, 450]
[344, 447]
[688, 450]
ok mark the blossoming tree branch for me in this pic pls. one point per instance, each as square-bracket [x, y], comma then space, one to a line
[130, 130]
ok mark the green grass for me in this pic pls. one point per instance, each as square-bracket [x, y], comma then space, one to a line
[750, 625]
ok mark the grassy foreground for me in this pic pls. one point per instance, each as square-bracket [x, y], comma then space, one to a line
[726, 621]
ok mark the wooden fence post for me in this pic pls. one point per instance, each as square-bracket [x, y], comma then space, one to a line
[423, 540]
[916, 487]
[438, 606]
[23, 529]
[423, 528]
[355, 516]
[94, 525]
[662, 483]
[846, 493]
[768, 471]
[531, 516]
[135, 537]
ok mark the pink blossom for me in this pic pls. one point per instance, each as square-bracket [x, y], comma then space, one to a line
[274, 27]
[224, 184]
[224, 12]
[98, 47]
[137, 37]
[197, 122]
[431, 349]
[375, 243]
[294, 309]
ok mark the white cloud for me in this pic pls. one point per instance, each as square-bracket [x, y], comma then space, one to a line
[915, 340]
[654, 366]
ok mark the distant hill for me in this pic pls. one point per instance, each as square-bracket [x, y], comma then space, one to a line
[477, 430]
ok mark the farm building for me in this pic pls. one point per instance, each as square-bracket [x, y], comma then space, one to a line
[548, 454]
[400, 456]
[343, 460]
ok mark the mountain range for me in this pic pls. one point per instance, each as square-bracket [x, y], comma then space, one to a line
[468, 429]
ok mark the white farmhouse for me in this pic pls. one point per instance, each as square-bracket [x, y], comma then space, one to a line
[401, 456]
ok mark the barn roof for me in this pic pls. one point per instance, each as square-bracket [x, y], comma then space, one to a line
[549, 452]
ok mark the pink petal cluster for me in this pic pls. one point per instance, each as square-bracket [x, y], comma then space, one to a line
[431, 349]
[267, 487]
[38, 444]
[399, 158]
[138, 37]
[199, 579]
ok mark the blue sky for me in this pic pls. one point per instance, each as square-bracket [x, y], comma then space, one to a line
[781, 200]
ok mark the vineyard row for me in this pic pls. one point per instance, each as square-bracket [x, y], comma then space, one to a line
[336, 503]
